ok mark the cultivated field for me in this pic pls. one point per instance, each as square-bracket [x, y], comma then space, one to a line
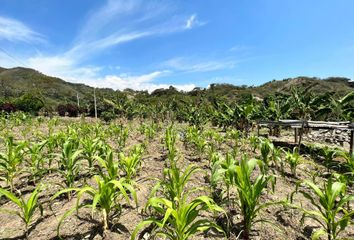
[86, 179]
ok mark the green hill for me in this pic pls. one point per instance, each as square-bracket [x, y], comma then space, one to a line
[15, 82]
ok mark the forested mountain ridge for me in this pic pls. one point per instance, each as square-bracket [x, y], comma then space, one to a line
[15, 82]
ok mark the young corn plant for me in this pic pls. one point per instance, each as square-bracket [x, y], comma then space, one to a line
[51, 146]
[121, 135]
[107, 197]
[90, 149]
[170, 143]
[131, 162]
[277, 155]
[200, 143]
[27, 208]
[69, 164]
[249, 193]
[293, 159]
[37, 160]
[329, 154]
[179, 222]
[349, 163]
[331, 212]
[174, 182]
[172, 215]
[216, 176]
[11, 160]
[266, 151]
[109, 167]
[254, 142]
[229, 167]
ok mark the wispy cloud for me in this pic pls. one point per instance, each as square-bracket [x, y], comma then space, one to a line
[192, 65]
[193, 21]
[114, 23]
[91, 75]
[16, 31]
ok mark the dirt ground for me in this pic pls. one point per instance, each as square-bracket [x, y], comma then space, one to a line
[286, 223]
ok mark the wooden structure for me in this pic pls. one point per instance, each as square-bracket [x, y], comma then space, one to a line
[300, 125]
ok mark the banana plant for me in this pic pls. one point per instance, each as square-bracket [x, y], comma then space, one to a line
[11, 160]
[330, 203]
[27, 208]
[107, 197]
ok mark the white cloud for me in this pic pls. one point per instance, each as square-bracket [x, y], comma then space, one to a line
[191, 65]
[14, 31]
[63, 67]
[115, 23]
[140, 82]
[192, 21]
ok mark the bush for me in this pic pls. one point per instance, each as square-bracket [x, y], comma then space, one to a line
[8, 107]
[70, 109]
[108, 116]
[29, 103]
[61, 110]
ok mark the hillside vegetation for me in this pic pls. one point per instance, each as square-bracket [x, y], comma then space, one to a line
[15, 82]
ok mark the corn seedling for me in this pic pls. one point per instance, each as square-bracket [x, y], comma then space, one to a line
[229, 167]
[109, 168]
[179, 222]
[69, 164]
[254, 142]
[131, 162]
[266, 151]
[26, 208]
[170, 142]
[293, 159]
[329, 154]
[249, 193]
[37, 167]
[11, 159]
[329, 202]
[107, 197]
[90, 149]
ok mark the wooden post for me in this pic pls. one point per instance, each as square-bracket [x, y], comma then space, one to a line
[351, 144]
[258, 130]
[94, 99]
[296, 134]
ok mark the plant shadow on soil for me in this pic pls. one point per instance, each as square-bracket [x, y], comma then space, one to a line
[30, 229]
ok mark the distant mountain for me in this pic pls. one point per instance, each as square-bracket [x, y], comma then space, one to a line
[336, 85]
[15, 82]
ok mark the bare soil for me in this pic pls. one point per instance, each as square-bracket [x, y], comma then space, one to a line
[286, 223]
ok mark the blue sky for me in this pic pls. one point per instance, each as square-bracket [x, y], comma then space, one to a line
[151, 44]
